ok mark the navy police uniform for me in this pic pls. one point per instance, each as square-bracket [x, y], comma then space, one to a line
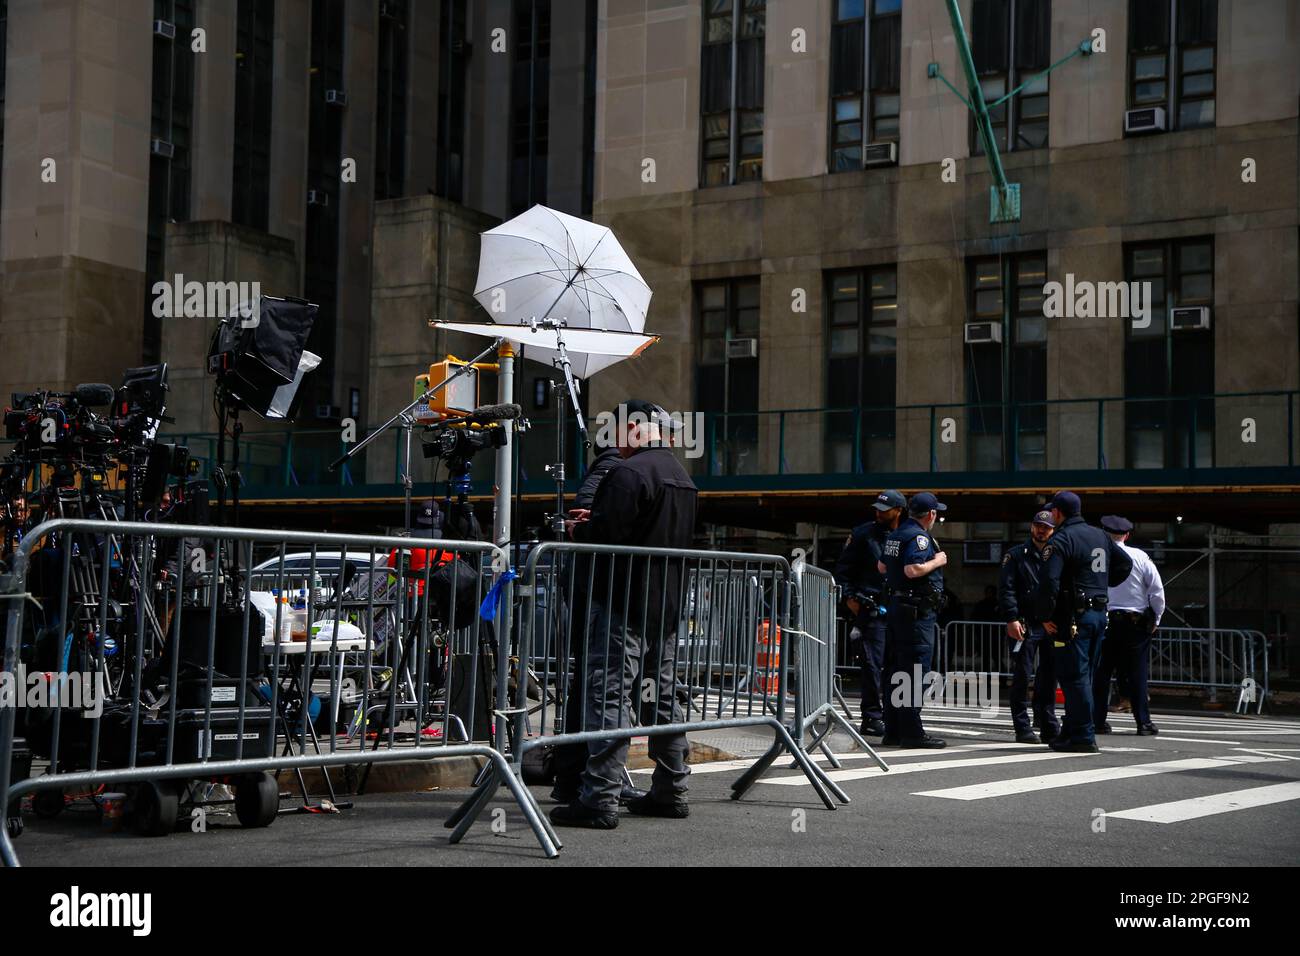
[1081, 563]
[1022, 567]
[858, 577]
[913, 606]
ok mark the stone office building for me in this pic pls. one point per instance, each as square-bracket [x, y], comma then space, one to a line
[345, 151]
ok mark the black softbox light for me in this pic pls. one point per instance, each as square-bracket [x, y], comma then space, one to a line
[252, 363]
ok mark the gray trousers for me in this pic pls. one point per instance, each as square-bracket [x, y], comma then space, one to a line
[622, 666]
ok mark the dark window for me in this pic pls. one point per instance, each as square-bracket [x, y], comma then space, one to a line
[452, 76]
[1011, 46]
[1164, 368]
[1189, 43]
[861, 368]
[254, 49]
[390, 99]
[1006, 382]
[726, 374]
[4, 36]
[864, 89]
[530, 104]
[324, 149]
[731, 114]
[589, 111]
[171, 123]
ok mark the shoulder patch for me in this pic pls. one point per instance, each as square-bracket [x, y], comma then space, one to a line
[1047, 551]
[1006, 557]
[922, 542]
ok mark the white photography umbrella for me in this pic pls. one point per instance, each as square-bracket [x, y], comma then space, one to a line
[545, 265]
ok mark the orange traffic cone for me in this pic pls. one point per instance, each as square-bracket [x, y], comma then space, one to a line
[1060, 696]
[768, 659]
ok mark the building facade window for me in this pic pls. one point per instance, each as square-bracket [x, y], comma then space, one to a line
[4, 38]
[731, 91]
[1173, 52]
[392, 79]
[254, 52]
[530, 104]
[861, 369]
[864, 88]
[726, 372]
[1006, 380]
[171, 123]
[1011, 45]
[1166, 370]
[324, 149]
[453, 73]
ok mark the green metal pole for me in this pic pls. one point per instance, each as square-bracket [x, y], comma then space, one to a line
[977, 100]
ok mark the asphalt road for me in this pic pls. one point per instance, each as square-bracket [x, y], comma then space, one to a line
[1209, 791]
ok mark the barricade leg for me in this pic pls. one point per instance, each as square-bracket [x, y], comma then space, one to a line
[782, 742]
[858, 739]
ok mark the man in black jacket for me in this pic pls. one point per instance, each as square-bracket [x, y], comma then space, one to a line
[568, 760]
[863, 585]
[1022, 566]
[633, 609]
[1081, 564]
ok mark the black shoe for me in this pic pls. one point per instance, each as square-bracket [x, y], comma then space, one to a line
[648, 806]
[1048, 734]
[1028, 737]
[580, 815]
[630, 793]
[1104, 728]
[926, 743]
[888, 742]
[1147, 730]
[1075, 747]
[872, 727]
[563, 793]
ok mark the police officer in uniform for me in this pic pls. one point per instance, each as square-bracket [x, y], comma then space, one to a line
[913, 568]
[858, 576]
[1081, 564]
[1031, 653]
[1136, 607]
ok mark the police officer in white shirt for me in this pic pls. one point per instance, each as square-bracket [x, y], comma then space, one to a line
[1135, 609]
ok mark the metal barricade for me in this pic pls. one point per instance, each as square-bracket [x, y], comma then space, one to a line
[1210, 658]
[622, 642]
[973, 647]
[196, 674]
[813, 646]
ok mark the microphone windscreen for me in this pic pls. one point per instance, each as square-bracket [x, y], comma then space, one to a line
[94, 393]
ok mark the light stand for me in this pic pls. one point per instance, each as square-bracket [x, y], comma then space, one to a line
[570, 386]
[407, 422]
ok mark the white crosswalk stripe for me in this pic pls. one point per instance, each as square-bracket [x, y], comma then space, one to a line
[1002, 788]
[842, 776]
[1178, 811]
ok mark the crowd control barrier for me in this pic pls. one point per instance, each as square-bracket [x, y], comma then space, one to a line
[145, 657]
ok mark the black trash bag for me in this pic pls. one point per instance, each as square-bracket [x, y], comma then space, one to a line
[455, 583]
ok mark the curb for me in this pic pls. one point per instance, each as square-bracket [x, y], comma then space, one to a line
[448, 773]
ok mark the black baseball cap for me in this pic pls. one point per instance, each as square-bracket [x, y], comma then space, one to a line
[924, 502]
[1116, 524]
[1067, 502]
[653, 413]
[888, 500]
[427, 514]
